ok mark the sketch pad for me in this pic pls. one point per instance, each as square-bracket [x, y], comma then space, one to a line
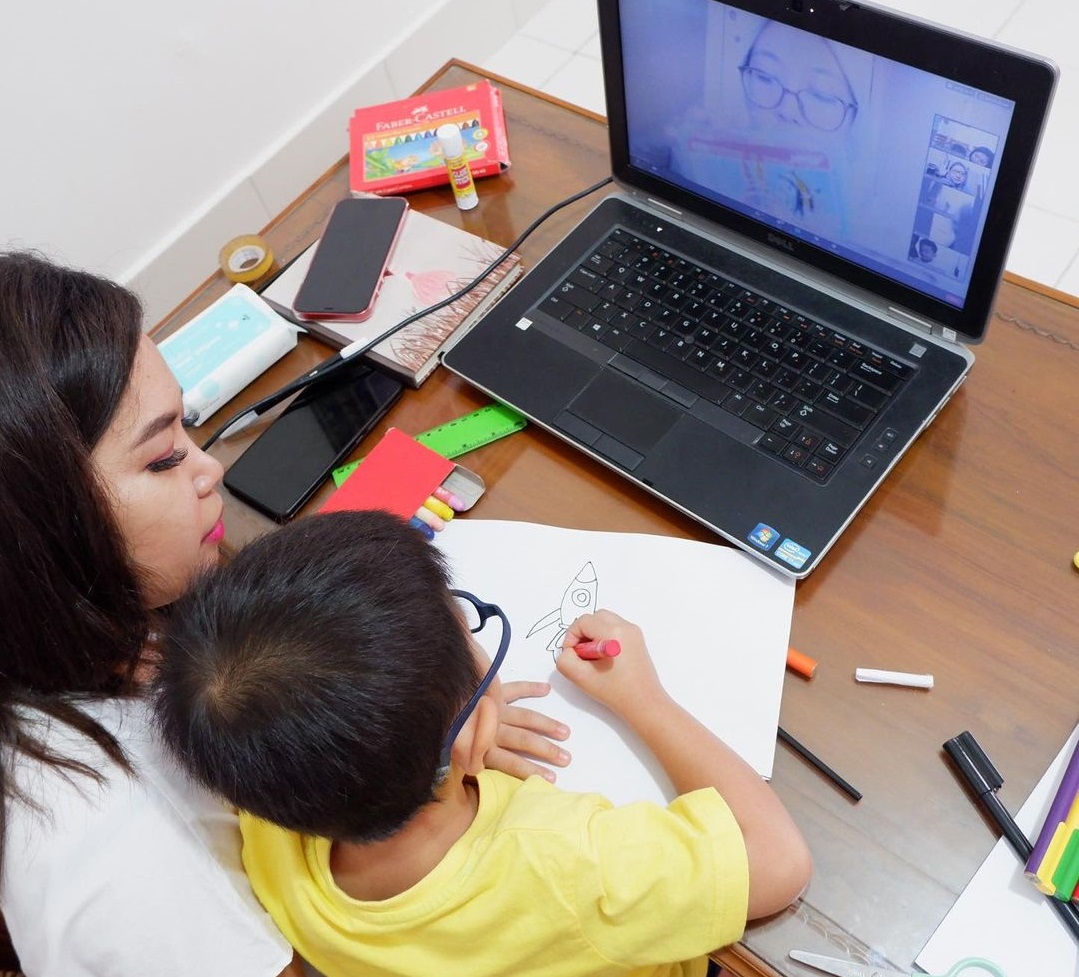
[717, 625]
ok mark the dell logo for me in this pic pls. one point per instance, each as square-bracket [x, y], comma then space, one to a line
[780, 242]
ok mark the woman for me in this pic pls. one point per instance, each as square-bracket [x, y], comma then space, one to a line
[112, 863]
[791, 78]
[956, 176]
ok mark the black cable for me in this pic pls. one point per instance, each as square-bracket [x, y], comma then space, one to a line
[333, 363]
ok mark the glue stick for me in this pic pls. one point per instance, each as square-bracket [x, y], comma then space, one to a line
[453, 152]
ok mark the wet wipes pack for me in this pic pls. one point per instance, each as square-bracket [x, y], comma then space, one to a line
[221, 350]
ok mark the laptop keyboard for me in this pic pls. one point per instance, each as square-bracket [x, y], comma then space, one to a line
[809, 389]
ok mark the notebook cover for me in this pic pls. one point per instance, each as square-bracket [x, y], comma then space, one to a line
[432, 259]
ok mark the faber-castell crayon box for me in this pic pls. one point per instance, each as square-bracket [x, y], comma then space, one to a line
[393, 147]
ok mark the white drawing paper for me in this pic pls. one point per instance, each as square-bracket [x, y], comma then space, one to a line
[717, 624]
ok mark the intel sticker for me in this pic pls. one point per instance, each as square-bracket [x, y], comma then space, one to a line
[790, 552]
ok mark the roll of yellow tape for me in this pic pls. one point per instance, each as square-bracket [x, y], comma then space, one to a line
[246, 259]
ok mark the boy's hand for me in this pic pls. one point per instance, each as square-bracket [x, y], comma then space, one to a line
[527, 739]
[618, 683]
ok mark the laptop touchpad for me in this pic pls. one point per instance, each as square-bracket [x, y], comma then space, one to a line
[624, 410]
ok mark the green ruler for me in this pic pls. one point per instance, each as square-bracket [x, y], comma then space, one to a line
[460, 435]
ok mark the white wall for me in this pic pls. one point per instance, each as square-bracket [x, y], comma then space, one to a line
[137, 137]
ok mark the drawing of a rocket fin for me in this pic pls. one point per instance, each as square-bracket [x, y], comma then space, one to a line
[554, 646]
[546, 621]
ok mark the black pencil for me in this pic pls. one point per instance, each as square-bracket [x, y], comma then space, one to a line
[816, 761]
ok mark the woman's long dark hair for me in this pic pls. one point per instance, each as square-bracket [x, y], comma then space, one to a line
[72, 622]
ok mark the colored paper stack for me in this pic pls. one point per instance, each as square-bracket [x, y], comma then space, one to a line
[1053, 865]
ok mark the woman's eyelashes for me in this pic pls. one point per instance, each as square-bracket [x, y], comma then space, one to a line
[170, 461]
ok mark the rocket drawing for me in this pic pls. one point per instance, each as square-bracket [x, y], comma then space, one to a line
[579, 598]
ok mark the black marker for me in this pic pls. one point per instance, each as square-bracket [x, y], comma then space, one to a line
[815, 761]
[984, 780]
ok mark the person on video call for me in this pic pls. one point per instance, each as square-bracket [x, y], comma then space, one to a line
[791, 78]
[777, 134]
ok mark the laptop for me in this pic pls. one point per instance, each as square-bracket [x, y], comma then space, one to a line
[815, 202]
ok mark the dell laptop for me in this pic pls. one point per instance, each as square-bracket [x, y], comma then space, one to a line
[815, 203]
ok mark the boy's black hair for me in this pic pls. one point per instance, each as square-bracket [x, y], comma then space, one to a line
[311, 680]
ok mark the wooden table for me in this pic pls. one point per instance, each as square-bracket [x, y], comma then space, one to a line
[960, 565]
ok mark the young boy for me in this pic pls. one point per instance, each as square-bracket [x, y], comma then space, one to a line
[325, 682]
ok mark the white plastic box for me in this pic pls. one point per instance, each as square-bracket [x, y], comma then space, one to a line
[221, 350]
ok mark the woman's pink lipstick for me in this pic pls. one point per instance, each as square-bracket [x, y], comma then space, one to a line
[216, 534]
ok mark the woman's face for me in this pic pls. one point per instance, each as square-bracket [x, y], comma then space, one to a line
[785, 64]
[163, 487]
[957, 174]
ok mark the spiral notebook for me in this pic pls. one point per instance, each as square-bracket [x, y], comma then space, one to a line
[432, 260]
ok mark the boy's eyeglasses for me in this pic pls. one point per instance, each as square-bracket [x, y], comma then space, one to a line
[820, 110]
[476, 614]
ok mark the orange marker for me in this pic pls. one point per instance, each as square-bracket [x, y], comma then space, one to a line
[802, 664]
[594, 650]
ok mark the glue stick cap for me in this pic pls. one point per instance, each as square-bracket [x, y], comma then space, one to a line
[449, 135]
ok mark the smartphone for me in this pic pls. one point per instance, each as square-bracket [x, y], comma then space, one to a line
[285, 465]
[350, 258]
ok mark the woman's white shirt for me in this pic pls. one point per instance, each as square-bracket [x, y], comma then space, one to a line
[138, 875]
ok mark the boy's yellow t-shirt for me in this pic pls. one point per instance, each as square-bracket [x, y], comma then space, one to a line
[544, 882]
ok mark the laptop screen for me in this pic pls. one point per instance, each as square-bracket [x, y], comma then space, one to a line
[902, 178]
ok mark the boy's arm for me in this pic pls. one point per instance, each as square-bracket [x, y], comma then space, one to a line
[294, 969]
[693, 757]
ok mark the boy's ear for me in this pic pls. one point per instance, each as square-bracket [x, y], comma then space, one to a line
[477, 736]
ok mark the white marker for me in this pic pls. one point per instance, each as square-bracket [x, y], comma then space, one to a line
[893, 678]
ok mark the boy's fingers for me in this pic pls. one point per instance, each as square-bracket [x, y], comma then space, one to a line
[516, 765]
[520, 689]
[579, 630]
[518, 721]
[519, 746]
[532, 746]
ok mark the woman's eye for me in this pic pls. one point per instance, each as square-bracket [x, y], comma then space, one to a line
[169, 461]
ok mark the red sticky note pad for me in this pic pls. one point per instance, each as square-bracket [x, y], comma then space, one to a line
[397, 475]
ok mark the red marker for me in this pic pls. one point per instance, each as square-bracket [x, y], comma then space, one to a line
[594, 650]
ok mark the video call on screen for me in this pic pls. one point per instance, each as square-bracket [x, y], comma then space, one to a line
[880, 163]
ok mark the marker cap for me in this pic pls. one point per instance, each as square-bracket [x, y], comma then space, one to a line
[801, 663]
[972, 762]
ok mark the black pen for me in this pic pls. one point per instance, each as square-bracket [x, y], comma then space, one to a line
[285, 312]
[815, 761]
[248, 417]
[984, 780]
